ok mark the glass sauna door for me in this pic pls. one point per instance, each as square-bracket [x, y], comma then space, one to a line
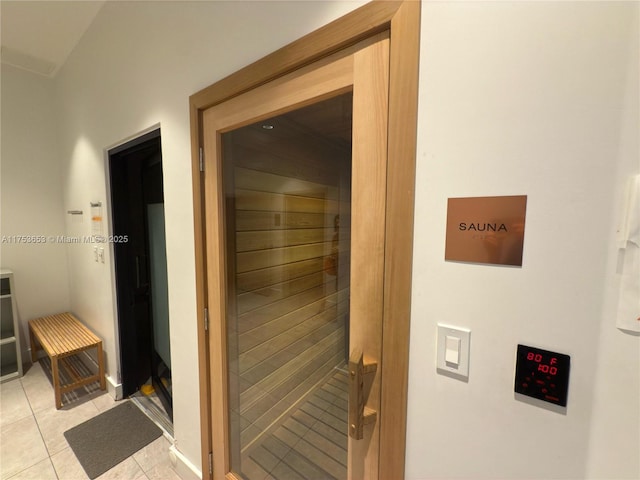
[287, 182]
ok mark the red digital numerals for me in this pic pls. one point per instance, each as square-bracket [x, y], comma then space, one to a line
[550, 369]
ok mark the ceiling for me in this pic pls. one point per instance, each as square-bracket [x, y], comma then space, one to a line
[38, 36]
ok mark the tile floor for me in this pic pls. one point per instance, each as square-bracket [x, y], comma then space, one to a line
[32, 444]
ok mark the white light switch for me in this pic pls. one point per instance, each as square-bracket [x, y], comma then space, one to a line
[453, 351]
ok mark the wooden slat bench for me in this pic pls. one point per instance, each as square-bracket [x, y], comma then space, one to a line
[60, 336]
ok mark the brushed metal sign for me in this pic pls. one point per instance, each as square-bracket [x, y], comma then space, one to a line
[486, 229]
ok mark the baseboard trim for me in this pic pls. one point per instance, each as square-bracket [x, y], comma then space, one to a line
[184, 468]
[114, 388]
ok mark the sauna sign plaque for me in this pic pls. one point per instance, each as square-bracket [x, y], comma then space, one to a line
[486, 229]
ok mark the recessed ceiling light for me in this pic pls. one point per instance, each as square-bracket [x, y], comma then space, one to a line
[267, 126]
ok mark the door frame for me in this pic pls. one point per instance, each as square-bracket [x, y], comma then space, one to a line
[402, 20]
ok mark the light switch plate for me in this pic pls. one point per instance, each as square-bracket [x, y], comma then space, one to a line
[461, 369]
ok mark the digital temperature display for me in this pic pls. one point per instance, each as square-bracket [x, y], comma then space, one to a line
[542, 374]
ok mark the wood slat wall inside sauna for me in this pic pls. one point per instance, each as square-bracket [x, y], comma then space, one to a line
[290, 310]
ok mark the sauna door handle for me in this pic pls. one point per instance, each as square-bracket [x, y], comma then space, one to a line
[361, 373]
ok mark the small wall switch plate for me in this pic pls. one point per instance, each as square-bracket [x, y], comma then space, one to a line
[453, 350]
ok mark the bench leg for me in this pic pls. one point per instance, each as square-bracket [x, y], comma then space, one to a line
[34, 349]
[56, 382]
[103, 385]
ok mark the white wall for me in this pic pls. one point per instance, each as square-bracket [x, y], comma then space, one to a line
[31, 196]
[136, 67]
[541, 99]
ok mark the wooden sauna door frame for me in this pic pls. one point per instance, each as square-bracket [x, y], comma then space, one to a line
[362, 69]
[401, 20]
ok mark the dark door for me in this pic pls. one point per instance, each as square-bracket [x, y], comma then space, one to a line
[140, 265]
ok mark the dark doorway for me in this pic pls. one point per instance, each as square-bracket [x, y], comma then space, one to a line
[137, 206]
